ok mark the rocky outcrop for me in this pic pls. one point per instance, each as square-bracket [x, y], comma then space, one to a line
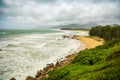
[69, 36]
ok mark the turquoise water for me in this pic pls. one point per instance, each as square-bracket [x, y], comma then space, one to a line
[13, 33]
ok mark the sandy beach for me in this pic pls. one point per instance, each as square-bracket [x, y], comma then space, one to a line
[89, 43]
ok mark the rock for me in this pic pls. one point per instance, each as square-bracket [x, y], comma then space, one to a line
[48, 67]
[51, 65]
[72, 37]
[45, 69]
[58, 39]
[29, 78]
[58, 64]
[66, 36]
[38, 73]
[12, 78]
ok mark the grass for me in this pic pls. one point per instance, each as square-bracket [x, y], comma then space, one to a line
[100, 63]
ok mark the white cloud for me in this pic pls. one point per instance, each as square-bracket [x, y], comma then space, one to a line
[34, 13]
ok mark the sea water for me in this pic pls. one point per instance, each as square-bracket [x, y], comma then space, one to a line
[24, 52]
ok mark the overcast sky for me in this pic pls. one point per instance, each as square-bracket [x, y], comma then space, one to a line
[43, 13]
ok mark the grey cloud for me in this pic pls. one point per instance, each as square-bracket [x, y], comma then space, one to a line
[57, 12]
[2, 3]
[46, 1]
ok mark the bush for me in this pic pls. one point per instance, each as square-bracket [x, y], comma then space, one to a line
[106, 32]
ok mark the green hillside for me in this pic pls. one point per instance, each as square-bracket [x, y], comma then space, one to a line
[100, 63]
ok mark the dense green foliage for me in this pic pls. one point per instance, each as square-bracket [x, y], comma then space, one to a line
[100, 63]
[107, 32]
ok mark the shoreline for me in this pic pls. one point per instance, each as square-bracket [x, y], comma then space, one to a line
[87, 41]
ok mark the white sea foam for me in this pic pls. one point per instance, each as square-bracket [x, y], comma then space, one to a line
[3, 33]
[25, 55]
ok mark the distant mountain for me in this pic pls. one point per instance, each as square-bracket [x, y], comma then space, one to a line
[115, 25]
[73, 26]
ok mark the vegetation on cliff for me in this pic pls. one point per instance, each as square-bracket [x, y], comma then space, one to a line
[106, 32]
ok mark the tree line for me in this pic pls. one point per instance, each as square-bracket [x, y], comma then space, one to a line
[107, 32]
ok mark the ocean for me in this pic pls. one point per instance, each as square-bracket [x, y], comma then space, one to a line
[24, 52]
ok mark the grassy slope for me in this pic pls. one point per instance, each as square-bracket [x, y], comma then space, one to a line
[100, 63]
